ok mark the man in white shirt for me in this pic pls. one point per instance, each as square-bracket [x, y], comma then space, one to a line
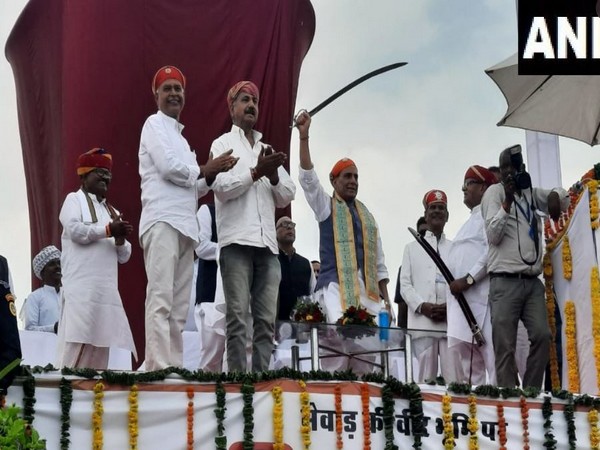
[424, 289]
[245, 200]
[93, 245]
[468, 263]
[41, 309]
[171, 184]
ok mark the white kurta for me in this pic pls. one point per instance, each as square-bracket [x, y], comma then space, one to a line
[41, 309]
[92, 310]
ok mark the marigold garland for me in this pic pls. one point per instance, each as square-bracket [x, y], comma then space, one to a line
[305, 414]
[133, 417]
[571, 334]
[190, 418]
[501, 426]
[366, 416]
[595, 287]
[594, 430]
[567, 260]
[525, 422]
[277, 392]
[447, 421]
[220, 438]
[473, 423]
[551, 310]
[594, 210]
[339, 441]
[66, 399]
[97, 432]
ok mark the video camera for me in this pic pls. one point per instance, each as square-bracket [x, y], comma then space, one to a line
[522, 178]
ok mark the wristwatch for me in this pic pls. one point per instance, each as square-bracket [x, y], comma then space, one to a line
[470, 280]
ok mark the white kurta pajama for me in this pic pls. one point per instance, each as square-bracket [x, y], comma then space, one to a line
[92, 310]
[41, 309]
[421, 282]
[468, 255]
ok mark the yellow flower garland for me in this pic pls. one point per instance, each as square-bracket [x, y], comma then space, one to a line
[571, 334]
[595, 287]
[447, 420]
[473, 424]
[277, 418]
[594, 431]
[550, 308]
[594, 210]
[133, 417]
[567, 259]
[97, 416]
[305, 413]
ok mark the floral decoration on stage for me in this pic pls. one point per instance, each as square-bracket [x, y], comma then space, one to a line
[308, 311]
[362, 321]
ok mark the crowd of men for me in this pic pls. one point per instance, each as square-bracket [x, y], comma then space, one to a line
[249, 273]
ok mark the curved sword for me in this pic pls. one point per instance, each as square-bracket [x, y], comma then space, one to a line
[350, 86]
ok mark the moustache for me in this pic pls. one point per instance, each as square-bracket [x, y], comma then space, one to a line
[250, 111]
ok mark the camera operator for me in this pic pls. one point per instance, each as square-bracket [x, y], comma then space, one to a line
[513, 222]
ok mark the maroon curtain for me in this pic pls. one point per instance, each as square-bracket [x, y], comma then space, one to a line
[83, 71]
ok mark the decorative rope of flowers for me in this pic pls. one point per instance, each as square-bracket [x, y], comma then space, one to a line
[190, 418]
[501, 426]
[594, 210]
[594, 431]
[133, 417]
[447, 421]
[569, 413]
[551, 309]
[571, 334]
[473, 423]
[248, 414]
[595, 287]
[29, 398]
[98, 436]
[549, 441]
[66, 399]
[387, 400]
[525, 421]
[567, 260]
[305, 414]
[277, 392]
[366, 416]
[339, 441]
[220, 438]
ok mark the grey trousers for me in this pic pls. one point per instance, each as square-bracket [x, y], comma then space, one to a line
[251, 277]
[512, 299]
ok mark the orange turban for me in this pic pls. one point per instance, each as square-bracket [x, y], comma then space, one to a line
[167, 73]
[95, 158]
[482, 174]
[434, 196]
[341, 165]
[242, 86]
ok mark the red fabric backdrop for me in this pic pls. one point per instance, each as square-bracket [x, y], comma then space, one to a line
[83, 72]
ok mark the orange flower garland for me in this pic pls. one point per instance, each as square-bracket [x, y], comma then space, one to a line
[339, 442]
[97, 432]
[473, 424]
[305, 414]
[447, 421]
[594, 431]
[595, 287]
[551, 310]
[277, 418]
[525, 422]
[571, 334]
[190, 418]
[501, 426]
[366, 416]
[567, 260]
[133, 417]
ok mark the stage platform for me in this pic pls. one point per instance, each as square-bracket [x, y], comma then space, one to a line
[175, 410]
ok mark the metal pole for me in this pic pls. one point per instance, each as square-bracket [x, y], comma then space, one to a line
[295, 357]
[385, 363]
[408, 357]
[314, 348]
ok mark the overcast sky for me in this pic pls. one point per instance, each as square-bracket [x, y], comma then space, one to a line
[410, 130]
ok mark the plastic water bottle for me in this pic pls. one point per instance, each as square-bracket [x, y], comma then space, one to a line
[384, 322]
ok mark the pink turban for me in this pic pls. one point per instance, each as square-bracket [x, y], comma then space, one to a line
[242, 86]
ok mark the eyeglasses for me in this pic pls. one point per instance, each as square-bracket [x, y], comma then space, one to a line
[288, 225]
[470, 182]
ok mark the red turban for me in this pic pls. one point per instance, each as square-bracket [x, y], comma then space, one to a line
[341, 165]
[167, 73]
[434, 196]
[95, 158]
[242, 86]
[482, 174]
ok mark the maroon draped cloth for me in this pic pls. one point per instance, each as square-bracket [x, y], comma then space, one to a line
[83, 73]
